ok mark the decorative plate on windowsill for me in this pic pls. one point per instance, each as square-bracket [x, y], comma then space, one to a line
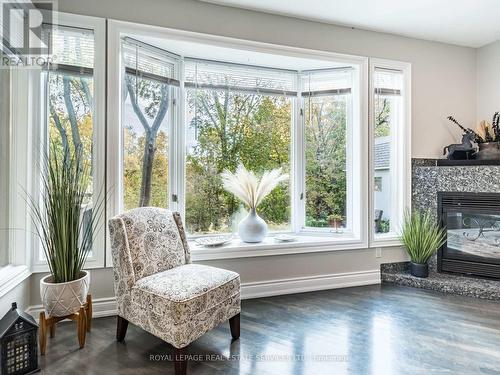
[285, 238]
[213, 241]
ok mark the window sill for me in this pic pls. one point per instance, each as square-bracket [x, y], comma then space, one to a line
[385, 240]
[43, 267]
[269, 247]
[11, 276]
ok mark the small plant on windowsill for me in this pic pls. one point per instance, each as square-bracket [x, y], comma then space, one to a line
[65, 222]
[421, 237]
[335, 221]
[251, 190]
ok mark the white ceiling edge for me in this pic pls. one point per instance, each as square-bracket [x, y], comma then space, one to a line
[473, 25]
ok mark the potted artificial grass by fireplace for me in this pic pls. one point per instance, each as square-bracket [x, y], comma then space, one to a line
[421, 237]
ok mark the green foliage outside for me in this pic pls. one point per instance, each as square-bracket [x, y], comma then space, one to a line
[233, 128]
[325, 132]
[382, 117]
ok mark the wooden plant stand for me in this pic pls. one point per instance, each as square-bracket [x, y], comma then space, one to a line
[83, 319]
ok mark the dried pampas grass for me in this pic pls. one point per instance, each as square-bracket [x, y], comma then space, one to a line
[248, 188]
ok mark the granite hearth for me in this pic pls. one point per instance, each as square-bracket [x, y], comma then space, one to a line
[428, 178]
[399, 274]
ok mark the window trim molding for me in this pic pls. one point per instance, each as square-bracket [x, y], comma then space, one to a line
[11, 276]
[403, 151]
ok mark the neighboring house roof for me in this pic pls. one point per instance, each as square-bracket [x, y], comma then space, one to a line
[12, 316]
[382, 153]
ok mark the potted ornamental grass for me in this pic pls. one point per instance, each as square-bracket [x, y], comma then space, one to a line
[65, 220]
[251, 190]
[421, 237]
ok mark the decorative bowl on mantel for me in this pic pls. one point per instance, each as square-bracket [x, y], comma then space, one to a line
[489, 151]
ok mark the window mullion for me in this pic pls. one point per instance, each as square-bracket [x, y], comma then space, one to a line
[181, 143]
[298, 221]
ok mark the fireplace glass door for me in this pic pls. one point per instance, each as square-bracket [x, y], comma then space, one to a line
[472, 223]
[473, 236]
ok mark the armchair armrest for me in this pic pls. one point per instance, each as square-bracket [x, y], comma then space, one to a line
[124, 277]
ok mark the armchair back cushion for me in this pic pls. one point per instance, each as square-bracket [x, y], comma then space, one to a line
[146, 241]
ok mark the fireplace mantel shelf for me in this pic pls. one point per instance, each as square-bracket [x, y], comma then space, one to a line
[453, 163]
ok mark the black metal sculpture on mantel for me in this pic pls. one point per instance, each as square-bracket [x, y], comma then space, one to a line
[461, 151]
[486, 137]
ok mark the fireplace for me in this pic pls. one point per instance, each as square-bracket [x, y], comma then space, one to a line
[472, 222]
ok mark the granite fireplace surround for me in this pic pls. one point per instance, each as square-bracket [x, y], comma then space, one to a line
[428, 178]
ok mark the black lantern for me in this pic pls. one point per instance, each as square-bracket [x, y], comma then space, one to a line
[18, 344]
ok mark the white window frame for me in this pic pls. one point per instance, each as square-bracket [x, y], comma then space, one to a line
[317, 242]
[22, 118]
[354, 157]
[401, 173]
[174, 132]
[295, 208]
[98, 25]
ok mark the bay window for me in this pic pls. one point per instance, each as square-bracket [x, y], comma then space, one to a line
[190, 107]
[184, 120]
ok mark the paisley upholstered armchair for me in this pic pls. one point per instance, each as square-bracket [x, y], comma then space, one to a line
[158, 289]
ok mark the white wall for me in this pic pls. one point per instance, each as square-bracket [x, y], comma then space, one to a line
[20, 294]
[488, 81]
[292, 270]
[443, 83]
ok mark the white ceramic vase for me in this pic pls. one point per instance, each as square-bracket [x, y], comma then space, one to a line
[64, 298]
[252, 228]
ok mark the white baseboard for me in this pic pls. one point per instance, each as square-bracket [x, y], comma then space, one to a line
[308, 284]
[107, 306]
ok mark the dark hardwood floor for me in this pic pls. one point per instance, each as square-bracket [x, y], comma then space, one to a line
[366, 330]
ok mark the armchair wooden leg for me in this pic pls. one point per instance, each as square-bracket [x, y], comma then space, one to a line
[121, 328]
[180, 360]
[234, 324]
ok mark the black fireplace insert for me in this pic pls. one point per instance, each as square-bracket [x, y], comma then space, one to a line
[472, 222]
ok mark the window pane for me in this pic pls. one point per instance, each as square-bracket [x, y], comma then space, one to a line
[387, 117]
[145, 135]
[147, 98]
[326, 179]
[224, 129]
[70, 104]
[70, 123]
